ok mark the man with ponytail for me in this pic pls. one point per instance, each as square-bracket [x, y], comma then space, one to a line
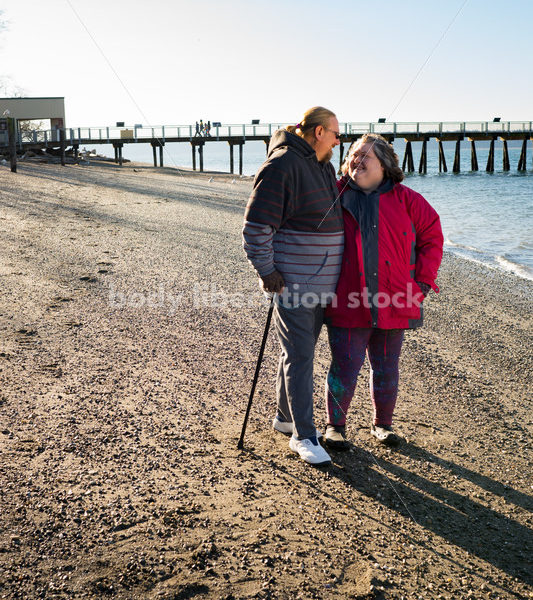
[293, 237]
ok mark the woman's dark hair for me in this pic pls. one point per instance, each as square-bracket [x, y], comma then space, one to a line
[384, 152]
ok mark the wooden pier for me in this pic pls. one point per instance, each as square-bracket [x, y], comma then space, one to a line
[238, 135]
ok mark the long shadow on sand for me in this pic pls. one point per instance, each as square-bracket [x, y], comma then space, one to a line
[478, 529]
[461, 521]
[136, 183]
[509, 494]
[49, 207]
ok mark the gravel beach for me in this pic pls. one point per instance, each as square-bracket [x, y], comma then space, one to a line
[130, 324]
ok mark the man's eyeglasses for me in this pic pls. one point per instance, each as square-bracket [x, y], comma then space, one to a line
[337, 134]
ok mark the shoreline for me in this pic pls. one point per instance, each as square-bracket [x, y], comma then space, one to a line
[500, 264]
[490, 268]
[120, 473]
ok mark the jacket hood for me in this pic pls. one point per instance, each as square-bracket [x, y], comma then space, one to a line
[281, 138]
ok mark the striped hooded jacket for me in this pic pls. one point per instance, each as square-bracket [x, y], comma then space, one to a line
[292, 223]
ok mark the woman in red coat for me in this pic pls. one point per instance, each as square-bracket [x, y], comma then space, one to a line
[393, 249]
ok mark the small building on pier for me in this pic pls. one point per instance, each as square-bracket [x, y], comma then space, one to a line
[34, 109]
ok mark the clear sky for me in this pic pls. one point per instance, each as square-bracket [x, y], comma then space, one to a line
[182, 60]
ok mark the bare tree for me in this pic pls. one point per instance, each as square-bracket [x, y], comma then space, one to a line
[9, 89]
[29, 130]
[7, 86]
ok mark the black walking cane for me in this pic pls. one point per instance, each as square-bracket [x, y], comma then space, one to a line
[256, 376]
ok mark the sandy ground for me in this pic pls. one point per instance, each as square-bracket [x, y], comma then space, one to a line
[130, 323]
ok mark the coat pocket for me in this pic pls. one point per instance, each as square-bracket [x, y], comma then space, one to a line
[405, 295]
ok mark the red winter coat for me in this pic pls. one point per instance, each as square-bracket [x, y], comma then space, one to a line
[393, 238]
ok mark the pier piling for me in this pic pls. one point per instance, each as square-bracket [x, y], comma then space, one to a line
[457, 159]
[231, 165]
[506, 164]
[490, 159]
[523, 156]
[442, 159]
[117, 146]
[201, 156]
[193, 156]
[62, 146]
[157, 144]
[423, 166]
[408, 158]
[12, 142]
[240, 157]
[473, 156]
[239, 143]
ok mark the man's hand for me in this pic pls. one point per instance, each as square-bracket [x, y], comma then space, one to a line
[273, 282]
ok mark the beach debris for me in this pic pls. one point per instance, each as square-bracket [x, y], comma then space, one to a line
[210, 180]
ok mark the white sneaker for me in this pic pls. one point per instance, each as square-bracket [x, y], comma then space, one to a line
[287, 427]
[310, 450]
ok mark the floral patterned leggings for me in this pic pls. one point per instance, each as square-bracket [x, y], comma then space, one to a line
[348, 349]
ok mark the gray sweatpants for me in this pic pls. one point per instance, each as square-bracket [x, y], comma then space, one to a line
[298, 330]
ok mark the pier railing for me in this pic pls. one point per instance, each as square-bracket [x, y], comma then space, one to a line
[243, 131]
[441, 127]
[161, 132]
[239, 134]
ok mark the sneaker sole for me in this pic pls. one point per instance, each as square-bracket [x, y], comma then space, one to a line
[391, 440]
[313, 464]
[342, 446]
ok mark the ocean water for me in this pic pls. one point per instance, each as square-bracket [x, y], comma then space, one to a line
[486, 217]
